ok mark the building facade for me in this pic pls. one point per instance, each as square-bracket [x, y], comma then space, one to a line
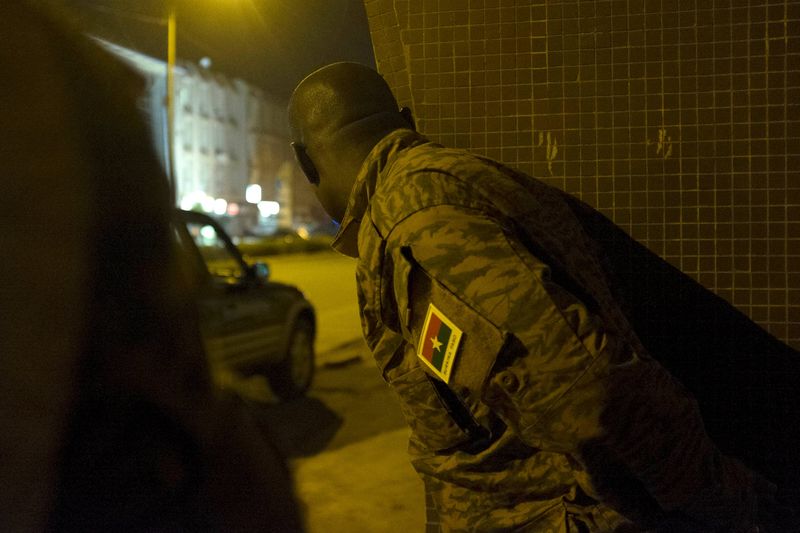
[230, 148]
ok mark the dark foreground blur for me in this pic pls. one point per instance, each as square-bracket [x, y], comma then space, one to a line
[109, 419]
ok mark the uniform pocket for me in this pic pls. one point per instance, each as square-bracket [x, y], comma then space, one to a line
[427, 415]
[401, 282]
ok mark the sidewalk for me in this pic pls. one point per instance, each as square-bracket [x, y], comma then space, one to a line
[365, 487]
[368, 487]
[343, 352]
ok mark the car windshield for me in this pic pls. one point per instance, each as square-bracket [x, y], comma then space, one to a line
[220, 261]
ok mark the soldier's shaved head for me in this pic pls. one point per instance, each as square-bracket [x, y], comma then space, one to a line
[336, 96]
[336, 116]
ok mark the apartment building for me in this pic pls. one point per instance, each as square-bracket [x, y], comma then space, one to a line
[230, 148]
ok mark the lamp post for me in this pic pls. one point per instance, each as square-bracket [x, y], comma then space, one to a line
[171, 99]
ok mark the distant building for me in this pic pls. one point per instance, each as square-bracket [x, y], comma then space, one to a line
[231, 151]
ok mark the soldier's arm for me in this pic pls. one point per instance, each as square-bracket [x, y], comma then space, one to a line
[580, 388]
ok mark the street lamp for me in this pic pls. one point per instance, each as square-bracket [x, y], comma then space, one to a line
[171, 97]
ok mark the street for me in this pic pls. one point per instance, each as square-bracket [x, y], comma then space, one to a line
[346, 441]
[328, 281]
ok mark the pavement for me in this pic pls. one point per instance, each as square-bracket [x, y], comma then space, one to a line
[364, 486]
[367, 486]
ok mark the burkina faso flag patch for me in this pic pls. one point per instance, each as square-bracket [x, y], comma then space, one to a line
[438, 343]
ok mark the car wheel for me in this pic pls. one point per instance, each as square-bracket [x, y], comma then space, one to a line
[292, 376]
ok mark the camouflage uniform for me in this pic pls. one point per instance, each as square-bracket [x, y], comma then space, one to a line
[554, 417]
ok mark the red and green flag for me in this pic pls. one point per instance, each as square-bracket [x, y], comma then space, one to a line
[438, 343]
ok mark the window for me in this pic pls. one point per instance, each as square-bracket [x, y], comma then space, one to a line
[219, 260]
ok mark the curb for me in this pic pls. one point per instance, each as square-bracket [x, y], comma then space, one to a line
[343, 354]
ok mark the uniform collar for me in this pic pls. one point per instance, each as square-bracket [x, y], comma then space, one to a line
[380, 157]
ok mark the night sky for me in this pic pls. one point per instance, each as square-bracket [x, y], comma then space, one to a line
[272, 44]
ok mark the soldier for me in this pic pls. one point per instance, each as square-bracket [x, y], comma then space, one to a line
[532, 402]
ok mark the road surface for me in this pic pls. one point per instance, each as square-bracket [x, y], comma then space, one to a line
[346, 441]
[328, 280]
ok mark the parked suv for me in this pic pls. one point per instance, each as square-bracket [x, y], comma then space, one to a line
[249, 323]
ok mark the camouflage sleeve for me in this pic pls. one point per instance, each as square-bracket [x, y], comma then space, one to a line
[579, 388]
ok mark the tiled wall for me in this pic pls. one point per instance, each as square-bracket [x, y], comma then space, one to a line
[680, 119]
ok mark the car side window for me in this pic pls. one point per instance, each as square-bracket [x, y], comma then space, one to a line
[219, 260]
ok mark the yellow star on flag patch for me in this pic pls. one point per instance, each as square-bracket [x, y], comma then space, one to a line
[438, 343]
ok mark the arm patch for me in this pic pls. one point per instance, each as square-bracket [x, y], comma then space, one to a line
[454, 342]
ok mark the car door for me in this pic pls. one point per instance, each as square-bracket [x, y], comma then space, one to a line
[242, 326]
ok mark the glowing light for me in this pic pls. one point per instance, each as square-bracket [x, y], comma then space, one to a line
[220, 206]
[207, 204]
[233, 209]
[253, 193]
[190, 200]
[303, 232]
[208, 232]
[268, 208]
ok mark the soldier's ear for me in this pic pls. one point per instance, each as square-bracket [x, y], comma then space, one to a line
[305, 162]
[406, 113]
